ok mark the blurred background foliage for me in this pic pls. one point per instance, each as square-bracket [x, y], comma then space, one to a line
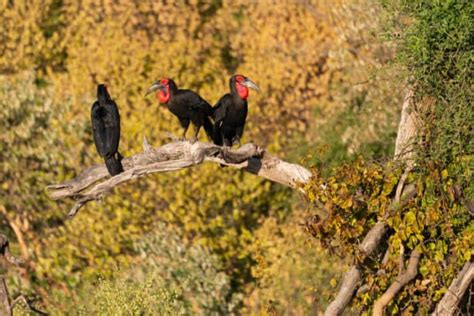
[329, 93]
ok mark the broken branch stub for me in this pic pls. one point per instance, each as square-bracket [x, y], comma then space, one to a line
[94, 182]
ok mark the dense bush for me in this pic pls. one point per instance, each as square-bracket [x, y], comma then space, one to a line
[167, 277]
[435, 49]
[293, 272]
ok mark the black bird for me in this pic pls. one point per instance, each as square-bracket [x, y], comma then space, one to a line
[186, 105]
[230, 112]
[106, 129]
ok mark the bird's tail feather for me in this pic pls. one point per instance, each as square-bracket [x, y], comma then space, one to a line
[216, 135]
[208, 128]
[114, 165]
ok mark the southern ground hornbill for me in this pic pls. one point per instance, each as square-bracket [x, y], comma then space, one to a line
[230, 112]
[106, 130]
[186, 105]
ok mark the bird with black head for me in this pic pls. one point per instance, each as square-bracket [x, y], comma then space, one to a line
[105, 119]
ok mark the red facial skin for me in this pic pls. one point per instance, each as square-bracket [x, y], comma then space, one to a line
[164, 96]
[241, 89]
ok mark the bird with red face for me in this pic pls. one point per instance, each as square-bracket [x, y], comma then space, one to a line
[186, 105]
[230, 112]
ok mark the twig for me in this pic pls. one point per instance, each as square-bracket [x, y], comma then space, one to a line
[402, 280]
[401, 259]
[352, 277]
[28, 304]
[6, 307]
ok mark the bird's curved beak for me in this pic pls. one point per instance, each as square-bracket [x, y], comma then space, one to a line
[155, 86]
[250, 84]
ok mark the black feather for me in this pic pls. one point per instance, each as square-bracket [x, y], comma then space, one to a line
[190, 107]
[106, 129]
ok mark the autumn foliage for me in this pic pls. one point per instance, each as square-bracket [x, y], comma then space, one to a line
[330, 93]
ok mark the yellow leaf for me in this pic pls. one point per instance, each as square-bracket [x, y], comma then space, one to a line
[444, 173]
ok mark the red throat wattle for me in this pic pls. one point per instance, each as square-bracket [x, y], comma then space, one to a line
[164, 96]
[242, 90]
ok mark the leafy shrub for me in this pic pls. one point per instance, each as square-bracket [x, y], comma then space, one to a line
[168, 276]
[434, 222]
[435, 48]
[294, 274]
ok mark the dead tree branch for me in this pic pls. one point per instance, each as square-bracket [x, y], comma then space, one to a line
[369, 244]
[27, 303]
[450, 301]
[403, 152]
[6, 258]
[175, 156]
[407, 130]
[403, 278]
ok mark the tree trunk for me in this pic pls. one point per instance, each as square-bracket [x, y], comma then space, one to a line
[5, 304]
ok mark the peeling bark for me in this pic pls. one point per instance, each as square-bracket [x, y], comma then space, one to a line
[5, 259]
[450, 301]
[177, 155]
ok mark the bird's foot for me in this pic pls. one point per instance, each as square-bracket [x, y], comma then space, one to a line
[193, 140]
[235, 141]
[225, 150]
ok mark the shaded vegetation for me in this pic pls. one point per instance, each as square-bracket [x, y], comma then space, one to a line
[233, 243]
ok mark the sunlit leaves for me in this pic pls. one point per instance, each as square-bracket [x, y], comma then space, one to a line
[347, 205]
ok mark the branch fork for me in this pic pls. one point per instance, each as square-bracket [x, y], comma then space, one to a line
[94, 182]
[6, 259]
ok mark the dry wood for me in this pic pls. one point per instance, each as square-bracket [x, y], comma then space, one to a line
[175, 156]
[407, 128]
[403, 278]
[449, 303]
[5, 259]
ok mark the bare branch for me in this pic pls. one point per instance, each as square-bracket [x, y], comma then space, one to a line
[450, 301]
[407, 130]
[5, 306]
[175, 156]
[346, 292]
[5, 259]
[352, 277]
[403, 152]
[401, 259]
[27, 303]
[402, 280]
